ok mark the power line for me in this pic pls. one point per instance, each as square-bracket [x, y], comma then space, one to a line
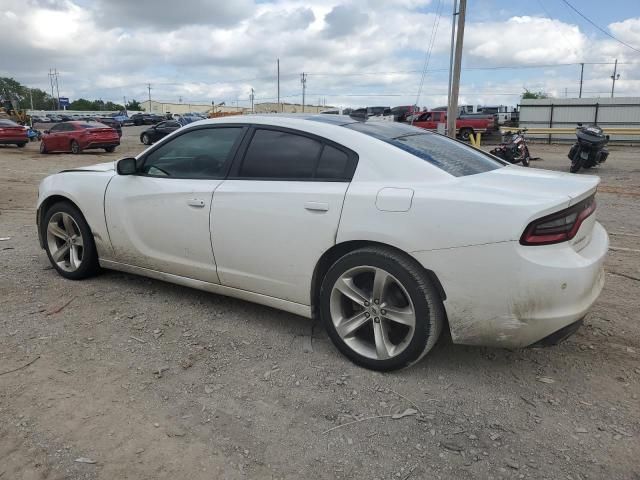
[434, 32]
[598, 27]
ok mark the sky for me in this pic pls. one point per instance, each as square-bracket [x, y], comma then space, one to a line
[355, 52]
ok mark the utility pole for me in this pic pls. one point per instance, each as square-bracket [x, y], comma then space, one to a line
[55, 72]
[51, 83]
[303, 81]
[453, 43]
[149, 88]
[452, 109]
[279, 109]
[252, 96]
[124, 103]
[581, 78]
[614, 77]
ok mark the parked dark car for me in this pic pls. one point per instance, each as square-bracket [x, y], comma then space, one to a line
[65, 118]
[158, 131]
[401, 113]
[111, 122]
[146, 118]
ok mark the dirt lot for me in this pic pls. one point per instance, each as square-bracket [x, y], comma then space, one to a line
[154, 381]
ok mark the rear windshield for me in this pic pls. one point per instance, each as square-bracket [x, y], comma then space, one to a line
[453, 157]
[8, 123]
[91, 125]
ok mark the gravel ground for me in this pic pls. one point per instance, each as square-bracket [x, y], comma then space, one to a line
[147, 380]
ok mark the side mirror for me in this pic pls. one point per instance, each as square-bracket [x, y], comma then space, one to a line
[126, 166]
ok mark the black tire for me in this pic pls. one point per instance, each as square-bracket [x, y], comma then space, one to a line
[144, 138]
[75, 147]
[465, 134]
[527, 158]
[43, 149]
[428, 307]
[20, 145]
[576, 165]
[110, 149]
[89, 265]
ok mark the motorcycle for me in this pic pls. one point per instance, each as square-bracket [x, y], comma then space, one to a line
[513, 148]
[589, 150]
[33, 134]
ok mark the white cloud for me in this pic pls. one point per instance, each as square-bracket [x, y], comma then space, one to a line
[206, 49]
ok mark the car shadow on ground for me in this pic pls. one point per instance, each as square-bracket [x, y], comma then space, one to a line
[445, 358]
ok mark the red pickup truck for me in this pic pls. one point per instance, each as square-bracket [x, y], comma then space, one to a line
[465, 125]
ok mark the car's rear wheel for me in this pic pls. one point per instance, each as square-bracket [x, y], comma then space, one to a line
[20, 145]
[110, 149]
[43, 148]
[380, 309]
[69, 243]
[145, 139]
[75, 147]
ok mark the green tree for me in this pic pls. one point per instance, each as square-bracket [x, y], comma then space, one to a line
[113, 106]
[528, 94]
[83, 104]
[12, 90]
[134, 105]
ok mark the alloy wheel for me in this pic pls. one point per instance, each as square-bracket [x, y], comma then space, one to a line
[372, 312]
[65, 241]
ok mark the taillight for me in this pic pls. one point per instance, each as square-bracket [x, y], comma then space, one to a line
[558, 227]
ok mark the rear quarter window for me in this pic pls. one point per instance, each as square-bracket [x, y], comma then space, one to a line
[449, 155]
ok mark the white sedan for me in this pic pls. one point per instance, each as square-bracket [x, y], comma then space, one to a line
[387, 233]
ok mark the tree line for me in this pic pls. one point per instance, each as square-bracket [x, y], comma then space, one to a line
[11, 89]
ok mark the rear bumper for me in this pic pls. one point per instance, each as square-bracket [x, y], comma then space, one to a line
[509, 295]
[102, 144]
[13, 140]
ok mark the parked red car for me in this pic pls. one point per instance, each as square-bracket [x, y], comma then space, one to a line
[12, 133]
[75, 137]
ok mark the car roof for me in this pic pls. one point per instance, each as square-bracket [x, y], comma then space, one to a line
[375, 128]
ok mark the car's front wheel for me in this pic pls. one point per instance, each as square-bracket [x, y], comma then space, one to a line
[69, 243]
[110, 149]
[75, 147]
[380, 308]
[145, 139]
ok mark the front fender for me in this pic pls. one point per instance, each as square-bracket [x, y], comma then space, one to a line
[86, 190]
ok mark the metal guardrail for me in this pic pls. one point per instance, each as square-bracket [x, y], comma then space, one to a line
[560, 130]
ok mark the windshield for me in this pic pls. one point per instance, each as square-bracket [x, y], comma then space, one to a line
[452, 156]
[8, 123]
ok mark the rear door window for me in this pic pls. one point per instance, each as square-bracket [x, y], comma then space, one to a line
[283, 155]
[275, 154]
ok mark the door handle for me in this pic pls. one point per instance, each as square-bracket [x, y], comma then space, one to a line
[194, 202]
[317, 206]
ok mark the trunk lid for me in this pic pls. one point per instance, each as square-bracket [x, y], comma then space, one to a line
[534, 194]
[525, 183]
